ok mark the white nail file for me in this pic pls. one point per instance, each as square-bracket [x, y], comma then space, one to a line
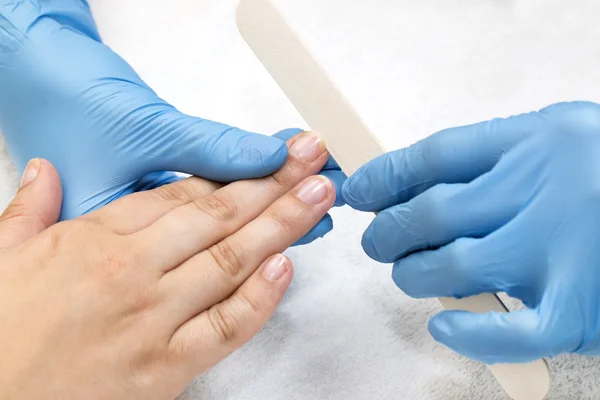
[352, 144]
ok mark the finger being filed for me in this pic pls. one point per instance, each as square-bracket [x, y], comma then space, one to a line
[464, 268]
[331, 170]
[226, 326]
[215, 274]
[35, 207]
[456, 155]
[206, 221]
[441, 215]
[137, 211]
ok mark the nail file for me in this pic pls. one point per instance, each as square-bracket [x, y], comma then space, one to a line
[352, 144]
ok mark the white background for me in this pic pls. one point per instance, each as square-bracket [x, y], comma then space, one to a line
[411, 68]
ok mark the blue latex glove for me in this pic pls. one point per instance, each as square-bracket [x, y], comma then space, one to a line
[68, 98]
[510, 205]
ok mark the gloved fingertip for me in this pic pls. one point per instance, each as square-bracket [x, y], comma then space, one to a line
[221, 153]
[441, 326]
[271, 153]
[452, 329]
[368, 244]
[322, 228]
[337, 178]
[339, 201]
[362, 191]
[247, 156]
[492, 337]
[351, 192]
[319, 231]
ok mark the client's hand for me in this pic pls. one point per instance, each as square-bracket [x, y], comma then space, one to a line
[136, 299]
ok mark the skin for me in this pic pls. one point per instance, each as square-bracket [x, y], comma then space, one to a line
[136, 299]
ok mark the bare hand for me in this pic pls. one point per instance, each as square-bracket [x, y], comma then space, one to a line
[135, 300]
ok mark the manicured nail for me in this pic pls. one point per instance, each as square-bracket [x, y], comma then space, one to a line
[308, 147]
[31, 171]
[314, 190]
[275, 268]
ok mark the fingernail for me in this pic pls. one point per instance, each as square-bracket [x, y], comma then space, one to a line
[308, 147]
[315, 190]
[31, 171]
[275, 268]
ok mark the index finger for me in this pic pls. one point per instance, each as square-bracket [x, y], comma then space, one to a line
[203, 222]
[456, 155]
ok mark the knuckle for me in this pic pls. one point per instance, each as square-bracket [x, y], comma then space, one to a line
[200, 187]
[138, 297]
[146, 375]
[107, 255]
[285, 222]
[115, 270]
[174, 194]
[52, 240]
[65, 235]
[228, 257]
[217, 206]
[223, 324]
[280, 180]
[152, 357]
[248, 304]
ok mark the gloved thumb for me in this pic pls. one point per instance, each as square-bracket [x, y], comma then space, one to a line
[35, 207]
[516, 337]
[215, 151]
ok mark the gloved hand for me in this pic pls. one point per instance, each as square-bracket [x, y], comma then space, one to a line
[509, 205]
[68, 98]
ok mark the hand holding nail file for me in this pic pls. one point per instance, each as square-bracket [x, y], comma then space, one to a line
[351, 143]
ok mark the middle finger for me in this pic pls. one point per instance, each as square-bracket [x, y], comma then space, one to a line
[139, 210]
[213, 275]
[196, 226]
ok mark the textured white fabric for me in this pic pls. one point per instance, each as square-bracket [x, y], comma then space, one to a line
[411, 67]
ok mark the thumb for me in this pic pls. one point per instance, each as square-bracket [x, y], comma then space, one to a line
[35, 207]
[516, 337]
[215, 151]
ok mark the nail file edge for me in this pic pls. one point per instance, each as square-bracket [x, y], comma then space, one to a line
[352, 144]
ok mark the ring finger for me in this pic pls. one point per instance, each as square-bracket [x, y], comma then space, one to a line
[216, 273]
